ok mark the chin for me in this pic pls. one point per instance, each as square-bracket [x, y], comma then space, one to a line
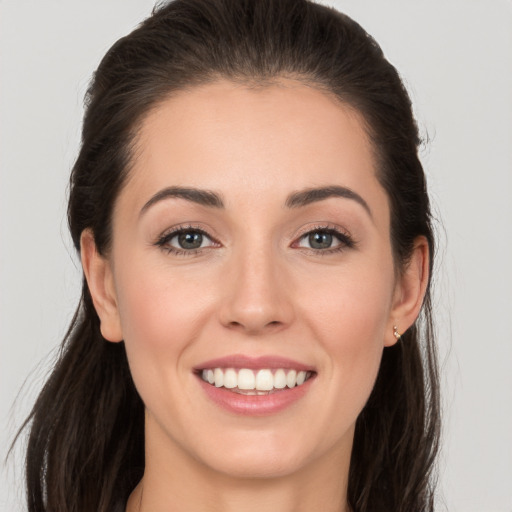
[266, 455]
[266, 465]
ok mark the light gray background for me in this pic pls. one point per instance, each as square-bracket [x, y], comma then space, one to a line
[456, 59]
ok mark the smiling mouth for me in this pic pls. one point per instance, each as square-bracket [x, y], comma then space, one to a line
[245, 381]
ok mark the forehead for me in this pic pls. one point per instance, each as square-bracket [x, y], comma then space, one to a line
[256, 141]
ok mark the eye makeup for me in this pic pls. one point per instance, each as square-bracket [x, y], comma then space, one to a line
[186, 240]
[190, 240]
[325, 235]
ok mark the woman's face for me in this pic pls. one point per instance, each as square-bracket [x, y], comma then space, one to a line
[251, 243]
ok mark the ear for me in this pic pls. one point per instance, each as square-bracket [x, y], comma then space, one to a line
[409, 291]
[98, 273]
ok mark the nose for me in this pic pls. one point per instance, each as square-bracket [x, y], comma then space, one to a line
[258, 295]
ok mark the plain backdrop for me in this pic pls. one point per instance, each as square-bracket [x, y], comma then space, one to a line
[455, 57]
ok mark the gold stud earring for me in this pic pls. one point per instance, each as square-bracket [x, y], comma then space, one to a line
[396, 334]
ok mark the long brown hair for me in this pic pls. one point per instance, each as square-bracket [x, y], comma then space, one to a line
[86, 443]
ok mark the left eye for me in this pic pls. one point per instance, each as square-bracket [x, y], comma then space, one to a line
[322, 239]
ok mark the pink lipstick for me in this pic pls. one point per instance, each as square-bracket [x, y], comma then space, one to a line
[254, 386]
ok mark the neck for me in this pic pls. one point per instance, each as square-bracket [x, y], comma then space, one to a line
[233, 495]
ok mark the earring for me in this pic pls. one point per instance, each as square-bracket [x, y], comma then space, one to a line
[396, 334]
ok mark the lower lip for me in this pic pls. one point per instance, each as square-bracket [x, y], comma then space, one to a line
[255, 405]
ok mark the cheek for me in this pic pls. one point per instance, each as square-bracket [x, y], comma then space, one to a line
[352, 304]
[161, 316]
[349, 314]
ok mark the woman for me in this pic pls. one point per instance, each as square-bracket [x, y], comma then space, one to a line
[255, 235]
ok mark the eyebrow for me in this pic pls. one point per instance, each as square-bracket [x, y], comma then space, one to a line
[202, 197]
[294, 200]
[312, 195]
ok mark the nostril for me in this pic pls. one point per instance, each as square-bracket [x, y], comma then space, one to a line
[254, 328]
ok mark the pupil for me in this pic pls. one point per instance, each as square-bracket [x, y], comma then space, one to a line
[190, 240]
[320, 240]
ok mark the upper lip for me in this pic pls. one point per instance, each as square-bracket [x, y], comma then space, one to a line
[254, 363]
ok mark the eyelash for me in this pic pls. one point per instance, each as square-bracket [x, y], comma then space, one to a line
[164, 240]
[344, 239]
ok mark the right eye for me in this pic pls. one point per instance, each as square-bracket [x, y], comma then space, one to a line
[185, 241]
[188, 240]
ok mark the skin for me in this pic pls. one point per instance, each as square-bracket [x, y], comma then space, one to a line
[257, 288]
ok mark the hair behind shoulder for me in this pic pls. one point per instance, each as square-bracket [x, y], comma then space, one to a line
[86, 443]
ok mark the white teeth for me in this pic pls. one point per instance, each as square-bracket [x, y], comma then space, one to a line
[291, 378]
[230, 379]
[263, 380]
[219, 377]
[280, 379]
[246, 379]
